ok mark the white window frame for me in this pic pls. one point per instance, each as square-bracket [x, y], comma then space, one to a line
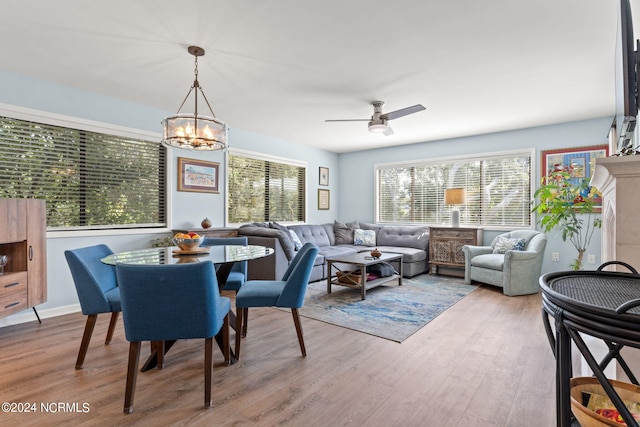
[270, 158]
[531, 152]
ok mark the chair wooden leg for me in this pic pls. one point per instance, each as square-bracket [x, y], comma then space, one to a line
[132, 375]
[159, 348]
[112, 327]
[296, 321]
[239, 318]
[225, 340]
[246, 322]
[86, 338]
[208, 368]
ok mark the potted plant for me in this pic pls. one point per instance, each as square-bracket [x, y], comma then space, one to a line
[567, 203]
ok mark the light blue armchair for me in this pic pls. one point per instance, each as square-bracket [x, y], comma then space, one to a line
[513, 261]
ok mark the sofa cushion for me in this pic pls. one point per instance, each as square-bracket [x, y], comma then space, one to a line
[410, 254]
[339, 250]
[364, 237]
[283, 238]
[314, 233]
[344, 232]
[404, 236]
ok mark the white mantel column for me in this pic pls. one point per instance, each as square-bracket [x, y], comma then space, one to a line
[618, 179]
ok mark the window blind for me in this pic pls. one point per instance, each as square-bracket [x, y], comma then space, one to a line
[498, 190]
[265, 190]
[88, 179]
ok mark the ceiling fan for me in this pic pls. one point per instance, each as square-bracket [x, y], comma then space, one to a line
[378, 122]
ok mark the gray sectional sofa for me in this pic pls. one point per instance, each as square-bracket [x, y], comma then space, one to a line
[334, 239]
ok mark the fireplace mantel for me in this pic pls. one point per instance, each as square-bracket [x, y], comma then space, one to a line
[618, 180]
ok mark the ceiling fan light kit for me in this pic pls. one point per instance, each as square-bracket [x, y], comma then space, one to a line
[194, 131]
[378, 127]
[378, 121]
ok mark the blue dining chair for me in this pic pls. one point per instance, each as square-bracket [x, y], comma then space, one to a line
[238, 274]
[97, 291]
[286, 293]
[171, 302]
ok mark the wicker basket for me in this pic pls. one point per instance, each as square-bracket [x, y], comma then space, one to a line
[349, 277]
[588, 418]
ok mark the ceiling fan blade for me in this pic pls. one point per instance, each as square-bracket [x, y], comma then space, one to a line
[403, 112]
[388, 132]
[347, 120]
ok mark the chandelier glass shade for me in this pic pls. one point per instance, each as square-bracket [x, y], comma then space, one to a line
[194, 131]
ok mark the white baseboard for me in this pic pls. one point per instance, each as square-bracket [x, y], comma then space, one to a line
[29, 316]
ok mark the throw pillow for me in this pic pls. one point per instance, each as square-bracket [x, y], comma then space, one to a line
[344, 232]
[364, 237]
[504, 244]
[297, 244]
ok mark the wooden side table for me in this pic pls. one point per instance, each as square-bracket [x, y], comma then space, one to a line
[445, 245]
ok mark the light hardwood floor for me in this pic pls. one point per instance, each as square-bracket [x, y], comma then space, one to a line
[484, 362]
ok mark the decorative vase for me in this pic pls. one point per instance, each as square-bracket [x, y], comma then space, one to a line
[206, 223]
[376, 253]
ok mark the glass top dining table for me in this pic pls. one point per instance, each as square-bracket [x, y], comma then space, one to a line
[223, 254]
[223, 257]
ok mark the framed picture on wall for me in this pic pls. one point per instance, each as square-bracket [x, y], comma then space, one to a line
[323, 199]
[579, 162]
[198, 175]
[324, 176]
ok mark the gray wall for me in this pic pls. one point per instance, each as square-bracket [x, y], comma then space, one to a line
[351, 175]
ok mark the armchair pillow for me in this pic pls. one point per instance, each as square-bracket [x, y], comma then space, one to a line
[504, 244]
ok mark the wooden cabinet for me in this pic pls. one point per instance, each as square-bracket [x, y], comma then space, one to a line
[23, 239]
[445, 245]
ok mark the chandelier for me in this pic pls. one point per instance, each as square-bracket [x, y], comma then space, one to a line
[194, 131]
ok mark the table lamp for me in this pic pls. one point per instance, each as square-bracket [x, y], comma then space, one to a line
[455, 197]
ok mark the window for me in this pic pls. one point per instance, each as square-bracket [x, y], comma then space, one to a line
[89, 180]
[498, 190]
[265, 189]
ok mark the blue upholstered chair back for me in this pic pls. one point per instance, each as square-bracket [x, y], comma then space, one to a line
[292, 295]
[240, 267]
[172, 301]
[294, 262]
[95, 282]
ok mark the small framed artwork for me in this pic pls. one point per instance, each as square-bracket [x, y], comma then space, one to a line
[198, 175]
[323, 200]
[579, 162]
[324, 176]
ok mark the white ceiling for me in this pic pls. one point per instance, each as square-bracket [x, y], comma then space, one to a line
[281, 67]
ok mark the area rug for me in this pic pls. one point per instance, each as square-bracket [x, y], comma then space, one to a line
[390, 311]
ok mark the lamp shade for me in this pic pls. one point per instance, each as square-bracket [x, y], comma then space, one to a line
[455, 196]
[194, 132]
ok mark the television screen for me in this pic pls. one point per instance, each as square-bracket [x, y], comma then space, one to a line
[626, 79]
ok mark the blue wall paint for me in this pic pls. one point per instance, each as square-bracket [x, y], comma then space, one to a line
[357, 198]
[351, 175]
[187, 208]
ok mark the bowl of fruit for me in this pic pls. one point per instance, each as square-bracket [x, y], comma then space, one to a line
[188, 241]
